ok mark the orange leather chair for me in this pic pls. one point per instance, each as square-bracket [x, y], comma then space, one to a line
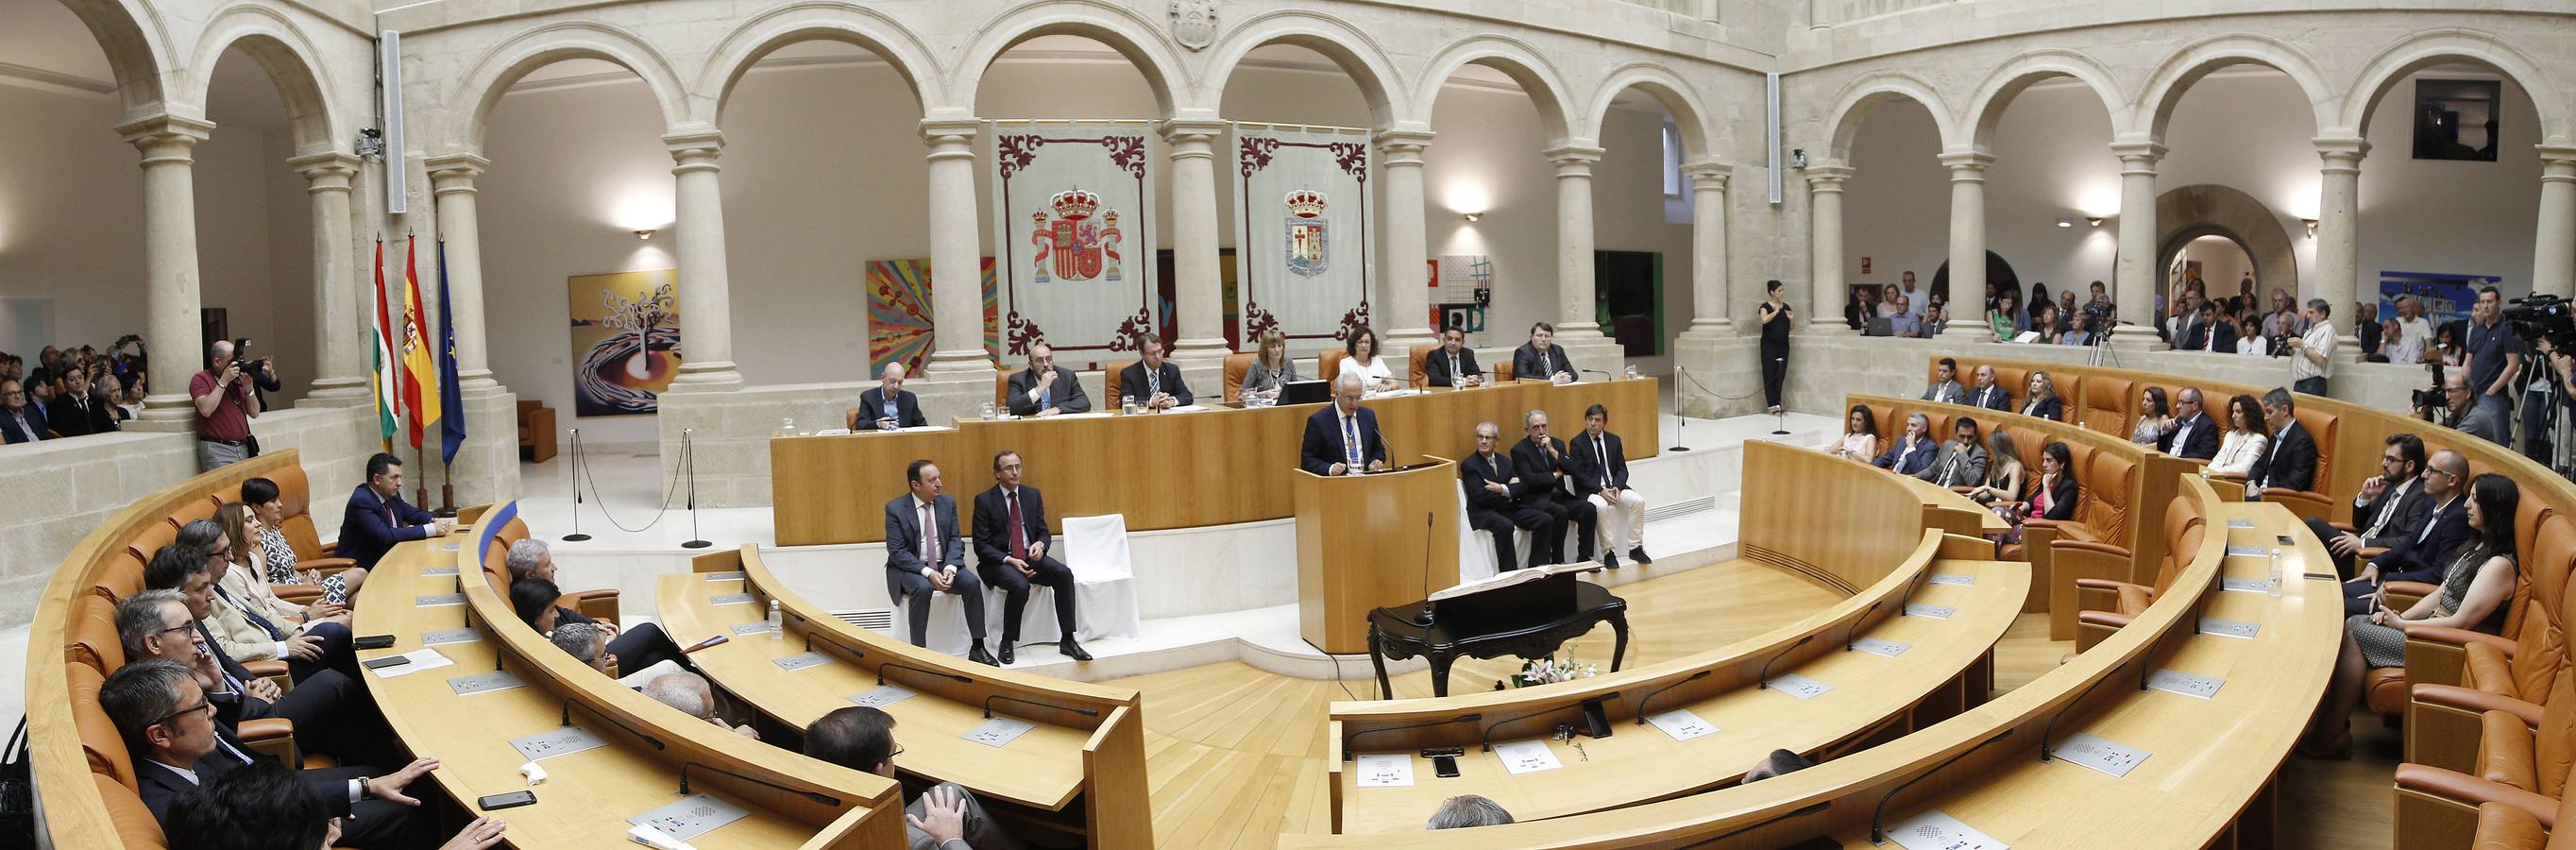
[1236, 365]
[1002, 390]
[1329, 363]
[2521, 760]
[1414, 372]
[1110, 381]
[193, 510]
[2312, 503]
[2507, 826]
[2458, 676]
[536, 431]
[2107, 407]
[2109, 604]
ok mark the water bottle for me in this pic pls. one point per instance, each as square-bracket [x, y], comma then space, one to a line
[777, 632]
[987, 410]
[787, 427]
[2272, 581]
[1632, 372]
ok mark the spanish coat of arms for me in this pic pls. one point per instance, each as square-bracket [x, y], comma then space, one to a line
[1080, 237]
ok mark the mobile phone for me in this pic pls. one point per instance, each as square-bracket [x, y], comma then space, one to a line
[2283, 539]
[1445, 767]
[510, 800]
[373, 642]
[1439, 752]
[387, 661]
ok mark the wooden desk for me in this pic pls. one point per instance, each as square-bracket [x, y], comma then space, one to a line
[1944, 499]
[1167, 470]
[1357, 549]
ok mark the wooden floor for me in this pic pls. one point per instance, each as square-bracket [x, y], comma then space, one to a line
[1235, 754]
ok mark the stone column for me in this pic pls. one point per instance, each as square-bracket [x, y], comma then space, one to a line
[1968, 238]
[340, 362]
[706, 312]
[2134, 277]
[1405, 241]
[957, 311]
[1199, 292]
[451, 181]
[1576, 319]
[2339, 235]
[171, 301]
[1825, 246]
[1711, 291]
[2553, 260]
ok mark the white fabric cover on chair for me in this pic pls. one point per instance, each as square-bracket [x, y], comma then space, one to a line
[1475, 546]
[1095, 549]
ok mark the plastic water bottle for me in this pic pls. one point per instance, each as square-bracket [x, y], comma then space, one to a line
[776, 632]
[787, 427]
[2272, 582]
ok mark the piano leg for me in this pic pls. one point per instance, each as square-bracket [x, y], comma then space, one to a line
[1440, 672]
[1619, 627]
[1377, 657]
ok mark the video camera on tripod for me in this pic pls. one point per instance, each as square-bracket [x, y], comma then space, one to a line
[2539, 317]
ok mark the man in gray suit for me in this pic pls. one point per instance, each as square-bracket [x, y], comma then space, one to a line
[1945, 386]
[1962, 462]
[1043, 389]
[926, 555]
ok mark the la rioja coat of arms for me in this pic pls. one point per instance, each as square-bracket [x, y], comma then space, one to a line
[1308, 251]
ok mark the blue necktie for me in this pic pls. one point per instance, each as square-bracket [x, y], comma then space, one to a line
[253, 616]
[1351, 439]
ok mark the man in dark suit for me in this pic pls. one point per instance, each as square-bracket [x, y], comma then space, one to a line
[377, 518]
[1343, 437]
[19, 422]
[1540, 358]
[1542, 462]
[168, 722]
[888, 406]
[1493, 501]
[2390, 505]
[1152, 381]
[1945, 384]
[636, 648]
[1454, 365]
[75, 412]
[331, 711]
[924, 553]
[2426, 550]
[1962, 461]
[2290, 462]
[2195, 435]
[1988, 394]
[1600, 475]
[1044, 390]
[1011, 549]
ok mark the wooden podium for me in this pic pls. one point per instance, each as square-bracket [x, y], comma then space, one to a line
[1360, 542]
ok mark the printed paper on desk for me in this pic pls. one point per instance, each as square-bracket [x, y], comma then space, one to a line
[2248, 552]
[1954, 579]
[2240, 523]
[697, 815]
[1934, 830]
[421, 659]
[1880, 647]
[730, 575]
[1681, 724]
[882, 696]
[1527, 756]
[1386, 771]
[998, 732]
[1799, 686]
[556, 742]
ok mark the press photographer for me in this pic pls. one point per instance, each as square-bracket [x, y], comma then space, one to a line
[225, 406]
[2548, 324]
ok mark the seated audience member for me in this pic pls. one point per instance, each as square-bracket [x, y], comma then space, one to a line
[690, 693]
[1945, 384]
[1466, 810]
[2079, 330]
[641, 647]
[1912, 453]
[266, 806]
[1542, 461]
[1936, 319]
[1454, 365]
[2392, 340]
[2476, 589]
[2247, 436]
[2419, 548]
[1272, 370]
[2048, 324]
[1779, 762]
[1904, 322]
[1493, 498]
[925, 554]
[888, 406]
[2446, 347]
[2052, 495]
[1889, 301]
[75, 412]
[1988, 394]
[1863, 307]
[1962, 462]
[2194, 434]
[2042, 401]
[587, 644]
[2462, 411]
[2387, 510]
[2290, 461]
[168, 723]
[247, 582]
[20, 423]
[2250, 341]
[2155, 418]
[1860, 436]
[1601, 476]
[943, 818]
[1541, 358]
[332, 712]
[377, 518]
[1364, 361]
[278, 557]
[245, 634]
[1011, 553]
[1152, 381]
[1044, 389]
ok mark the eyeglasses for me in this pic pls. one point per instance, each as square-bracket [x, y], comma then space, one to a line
[204, 704]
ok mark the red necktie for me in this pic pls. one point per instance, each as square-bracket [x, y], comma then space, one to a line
[929, 550]
[1019, 529]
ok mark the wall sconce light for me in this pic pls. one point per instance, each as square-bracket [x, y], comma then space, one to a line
[2063, 221]
[2095, 221]
[1475, 216]
[646, 234]
[2312, 226]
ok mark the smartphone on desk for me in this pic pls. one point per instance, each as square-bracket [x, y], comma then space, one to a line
[387, 661]
[510, 800]
[372, 642]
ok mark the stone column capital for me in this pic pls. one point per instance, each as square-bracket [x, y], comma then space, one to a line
[326, 172]
[453, 173]
[1827, 178]
[1180, 131]
[2341, 153]
[695, 149]
[1403, 145]
[2138, 156]
[1708, 175]
[947, 131]
[1573, 160]
[1967, 165]
[2556, 158]
[163, 137]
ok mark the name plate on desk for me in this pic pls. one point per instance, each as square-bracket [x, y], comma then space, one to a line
[439, 600]
[1799, 686]
[732, 575]
[2244, 585]
[1937, 612]
[559, 742]
[801, 660]
[1681, 724]
[1935, 830]
[1880, 647]
[2099, 753]
[882, 696]
[2240, 523]
[1954, 578]
[438, 571]
[998, 732]
[482, 683]
[2229, 628]
[731, 599]
[752, 628]
[2187, 684]
[690, 818]
[1528, 756]
[1391, 771]
[450, 636]
[2248, 552]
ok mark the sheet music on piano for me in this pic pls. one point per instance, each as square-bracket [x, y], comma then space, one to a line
[1510, 578]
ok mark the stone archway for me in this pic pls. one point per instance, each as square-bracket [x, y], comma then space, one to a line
[2191, 212]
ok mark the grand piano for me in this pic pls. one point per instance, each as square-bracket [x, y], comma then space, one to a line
[1523, 613]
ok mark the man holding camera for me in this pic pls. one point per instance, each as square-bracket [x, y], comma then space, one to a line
[225, 407]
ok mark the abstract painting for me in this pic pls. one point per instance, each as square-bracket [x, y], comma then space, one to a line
[625, 340]
[899, 319]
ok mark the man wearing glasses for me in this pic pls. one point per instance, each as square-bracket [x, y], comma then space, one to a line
[17, 423]
[2387, 509]
[2418, 556]
[331, 711]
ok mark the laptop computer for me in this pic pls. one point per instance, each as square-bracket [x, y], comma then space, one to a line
[1306, 392]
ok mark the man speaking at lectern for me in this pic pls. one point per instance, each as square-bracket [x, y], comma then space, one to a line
[1344, 436]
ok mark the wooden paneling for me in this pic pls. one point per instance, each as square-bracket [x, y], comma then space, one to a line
[1355, 552]
[1845, 523]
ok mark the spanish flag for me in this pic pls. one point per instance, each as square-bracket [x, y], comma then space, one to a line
[420, 386]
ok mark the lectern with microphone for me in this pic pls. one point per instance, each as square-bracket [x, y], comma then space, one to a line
[1360, 546]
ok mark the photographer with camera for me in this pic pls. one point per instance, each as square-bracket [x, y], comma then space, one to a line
[2463, 411]
[225, 405]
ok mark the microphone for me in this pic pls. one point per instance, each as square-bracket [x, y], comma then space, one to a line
[988, 706]
[953, 677]
[1430, 520]
[1604, 375]
[1487, 743]
[1347, 740]
[2050, 730]
[1765, 679]
[1878, 834]
[1855, 626]
[1909, 591]
[811, 797]
[566, 720]
[809, 646]
[1641, 704]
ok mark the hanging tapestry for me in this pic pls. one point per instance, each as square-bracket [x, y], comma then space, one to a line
[1073, 235]
[899, 317]
[1302, 224]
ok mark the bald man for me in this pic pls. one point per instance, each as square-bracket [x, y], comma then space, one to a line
[888, 406]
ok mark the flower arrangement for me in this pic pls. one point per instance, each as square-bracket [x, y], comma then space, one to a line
[1549, 671]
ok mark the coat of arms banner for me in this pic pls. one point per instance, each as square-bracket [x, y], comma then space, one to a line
[1073, 236]
[1303, 229]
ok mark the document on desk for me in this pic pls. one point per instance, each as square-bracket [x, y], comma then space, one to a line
[1799, 686]
[421, 659]
[484, 683]
[882, 696]
[1093, 414]
[1189, 408]
[1386, 771]
[1528, 756]
[697, 815]
[998, 732]
[1935, 830]
[556, 742]
[1681, 724]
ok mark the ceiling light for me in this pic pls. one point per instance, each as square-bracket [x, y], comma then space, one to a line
[2312, 226]
[644, 234]
[1475, 216]
[2063, 221]
[2095, 221]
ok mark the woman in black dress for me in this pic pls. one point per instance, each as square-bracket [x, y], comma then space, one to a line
[1776, 317]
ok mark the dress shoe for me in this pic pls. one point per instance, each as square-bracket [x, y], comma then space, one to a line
[1610, 560]
[1006, 652]
[979, 656]
[1638, 554]
[1072, 650]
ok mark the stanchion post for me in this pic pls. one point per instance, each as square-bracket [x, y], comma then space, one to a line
[576, 536]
